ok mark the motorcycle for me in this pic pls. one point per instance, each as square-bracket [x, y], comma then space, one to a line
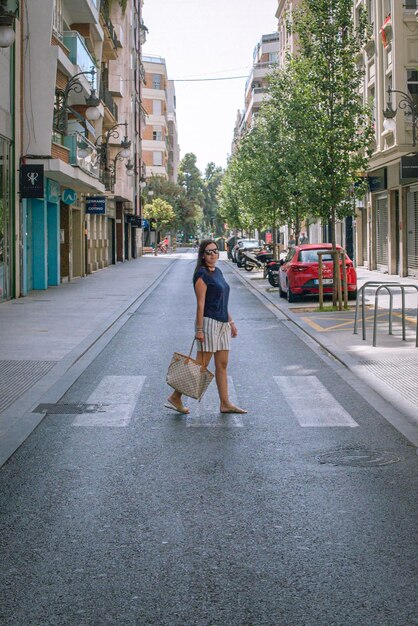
[273, 272]
[263, 257]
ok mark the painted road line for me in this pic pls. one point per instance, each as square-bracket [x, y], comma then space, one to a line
[341, 326]
[311, 403]
[205, 414]
[117, 397]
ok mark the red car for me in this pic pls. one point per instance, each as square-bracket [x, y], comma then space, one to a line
[298, 273]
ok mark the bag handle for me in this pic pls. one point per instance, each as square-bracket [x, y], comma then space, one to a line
[204, 367]
[193, 342]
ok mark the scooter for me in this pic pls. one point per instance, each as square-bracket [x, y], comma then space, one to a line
[250, 261]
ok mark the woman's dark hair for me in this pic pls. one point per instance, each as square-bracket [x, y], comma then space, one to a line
[201, 261]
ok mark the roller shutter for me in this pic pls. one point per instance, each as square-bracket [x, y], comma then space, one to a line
[382, 231]
[412, 233]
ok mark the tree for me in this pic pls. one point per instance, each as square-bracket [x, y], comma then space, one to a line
[161, 213]
[175, 195]
[330, 43]
[190, 179]
[212, 180]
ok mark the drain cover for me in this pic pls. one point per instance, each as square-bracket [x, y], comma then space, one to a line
[68, 409]
[355, 457]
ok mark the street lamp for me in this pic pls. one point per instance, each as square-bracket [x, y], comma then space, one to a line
[7, 18]
[102, 143]
[405, 103]
[63, 108]
[130, 170]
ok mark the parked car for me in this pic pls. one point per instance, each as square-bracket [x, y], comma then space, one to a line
[299, 271]
[244, 244]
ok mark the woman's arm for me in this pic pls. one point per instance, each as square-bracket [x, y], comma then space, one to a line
[200, 290]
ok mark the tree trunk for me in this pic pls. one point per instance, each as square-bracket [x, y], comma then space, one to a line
[157, 233]
[275, 247]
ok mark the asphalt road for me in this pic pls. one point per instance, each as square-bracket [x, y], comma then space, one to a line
[116, 511]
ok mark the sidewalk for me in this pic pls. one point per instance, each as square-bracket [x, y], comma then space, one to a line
[391, 368]
[48, 337]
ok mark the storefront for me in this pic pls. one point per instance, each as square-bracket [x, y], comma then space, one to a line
[41, 227]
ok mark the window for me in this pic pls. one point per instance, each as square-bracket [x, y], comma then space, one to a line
[411, 4]
[156, 107]
[273, 57]
[412, 83]
[157, 135]
[156, 81]
[157, 158]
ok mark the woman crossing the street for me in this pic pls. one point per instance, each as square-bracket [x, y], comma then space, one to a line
[214, 324]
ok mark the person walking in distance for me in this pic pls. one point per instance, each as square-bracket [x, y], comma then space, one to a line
[214, 324]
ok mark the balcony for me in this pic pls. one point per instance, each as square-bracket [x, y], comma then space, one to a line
[110, 104]
[83, 154]
[78, 52]
[111, 42]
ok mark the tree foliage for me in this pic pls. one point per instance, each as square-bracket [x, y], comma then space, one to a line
[309, 144]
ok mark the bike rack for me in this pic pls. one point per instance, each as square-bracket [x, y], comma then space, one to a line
[379, 286]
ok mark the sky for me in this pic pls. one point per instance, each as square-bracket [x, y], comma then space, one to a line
[207, 39]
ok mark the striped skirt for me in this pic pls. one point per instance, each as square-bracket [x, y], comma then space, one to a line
[217, 335]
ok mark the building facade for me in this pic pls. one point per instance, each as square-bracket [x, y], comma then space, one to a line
[160, 148]
[155, 132]
[71, 118]
[265, 57]
[387, 220]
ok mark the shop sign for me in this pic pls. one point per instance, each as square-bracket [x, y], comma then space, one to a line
[378, 180]
[53, 191]
[409, 167]
[96, 205]
[31, 181]
[69, 196]
[135, 221]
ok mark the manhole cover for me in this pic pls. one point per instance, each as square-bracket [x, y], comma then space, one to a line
[355, 457]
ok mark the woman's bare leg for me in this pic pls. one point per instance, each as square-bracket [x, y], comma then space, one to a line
[221, 376]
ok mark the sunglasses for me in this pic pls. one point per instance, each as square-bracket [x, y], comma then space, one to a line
[212, 251]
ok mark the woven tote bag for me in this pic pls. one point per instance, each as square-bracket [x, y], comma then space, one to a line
[188, 376]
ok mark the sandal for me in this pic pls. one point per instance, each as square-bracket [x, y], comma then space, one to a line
[179, 409]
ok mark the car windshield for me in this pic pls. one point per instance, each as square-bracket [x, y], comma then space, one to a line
[311, 256]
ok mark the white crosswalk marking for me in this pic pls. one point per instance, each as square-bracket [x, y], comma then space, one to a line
[205, 414]
[117, 396]
[311, 403]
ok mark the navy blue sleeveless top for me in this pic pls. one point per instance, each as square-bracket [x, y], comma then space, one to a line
[217, 294]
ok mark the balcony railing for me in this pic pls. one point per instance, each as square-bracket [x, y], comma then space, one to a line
[106, 96]
[83, 154]
[79, 53]
[109, 25]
